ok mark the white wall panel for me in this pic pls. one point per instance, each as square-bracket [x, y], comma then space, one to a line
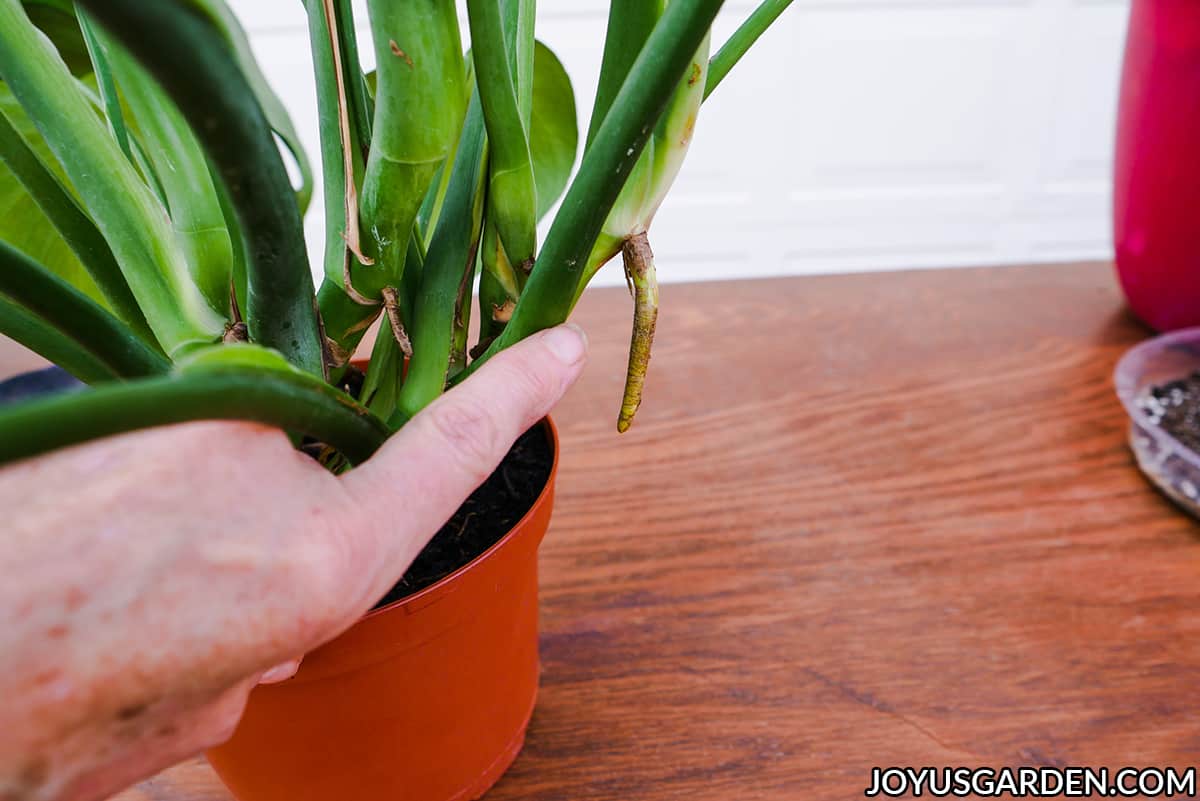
[859, 134]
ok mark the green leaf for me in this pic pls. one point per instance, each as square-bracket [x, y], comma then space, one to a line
[188, 56]
[33, 186]
[60, 305]
[22, 222]
[56, 19]
[25, 327]
[554, 132]
[114, 195]
[178, 160]
[109, 96]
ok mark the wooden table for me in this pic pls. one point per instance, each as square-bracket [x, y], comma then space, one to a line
[861, 520]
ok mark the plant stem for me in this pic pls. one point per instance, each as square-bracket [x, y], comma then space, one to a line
[392, 350]
[741, 41]
[639, 271]
[630, 23]
[351, 140]
[361, 105]
[111, 342]
[189, 55]
[272, 397]
[21, 325]
[419, 103]
[614, 151]
[512, 194]
[345, 319]
[76, 228]
[220, 14]
[450, 258]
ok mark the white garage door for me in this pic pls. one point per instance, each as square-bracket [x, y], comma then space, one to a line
[859, 134]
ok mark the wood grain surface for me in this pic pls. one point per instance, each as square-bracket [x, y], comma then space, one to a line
[863, 520]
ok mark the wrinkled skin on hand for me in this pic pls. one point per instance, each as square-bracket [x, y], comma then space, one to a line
[151, 580]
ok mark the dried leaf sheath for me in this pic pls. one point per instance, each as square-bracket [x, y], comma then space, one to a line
[643, 281]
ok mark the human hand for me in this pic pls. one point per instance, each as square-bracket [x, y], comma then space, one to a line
[151, 579]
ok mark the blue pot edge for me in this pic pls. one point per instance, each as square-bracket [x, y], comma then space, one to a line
[41, 383]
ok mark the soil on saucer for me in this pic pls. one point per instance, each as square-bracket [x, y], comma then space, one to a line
[1175, 408]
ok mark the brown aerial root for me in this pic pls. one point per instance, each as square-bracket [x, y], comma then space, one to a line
[643, 284]
[391, 304]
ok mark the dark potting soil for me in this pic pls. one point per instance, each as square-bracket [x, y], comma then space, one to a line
[485, 517]
[1175, 408]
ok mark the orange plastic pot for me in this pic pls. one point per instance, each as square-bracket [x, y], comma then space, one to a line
[426, 699]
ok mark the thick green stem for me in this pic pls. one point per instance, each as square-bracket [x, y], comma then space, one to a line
[219, 12]
[450, 260]
[350, 137]
[630, 23]
[21, 325]
[741, 41]
[77, 316]
[264, 396]
[658, 166]
[393, 348]
[614, 151]
[190, 57]
[346, 319]
[520, 20]
[639, 271]
[419, 102]
[361, 105]
[512, 194]
[122, 206]
[76, 228]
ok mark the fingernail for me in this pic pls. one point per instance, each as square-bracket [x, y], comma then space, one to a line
[280, 672]
[567, 342]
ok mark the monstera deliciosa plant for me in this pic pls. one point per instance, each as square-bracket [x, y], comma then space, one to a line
[151, 244]
[152, 240]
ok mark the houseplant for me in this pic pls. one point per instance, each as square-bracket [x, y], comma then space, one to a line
[153, 248]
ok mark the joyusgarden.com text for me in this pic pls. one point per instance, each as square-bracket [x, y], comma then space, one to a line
[1043, 782]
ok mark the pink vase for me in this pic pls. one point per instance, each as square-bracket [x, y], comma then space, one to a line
[1156, 210]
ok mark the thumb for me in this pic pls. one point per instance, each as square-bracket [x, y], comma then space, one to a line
[416, 481]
